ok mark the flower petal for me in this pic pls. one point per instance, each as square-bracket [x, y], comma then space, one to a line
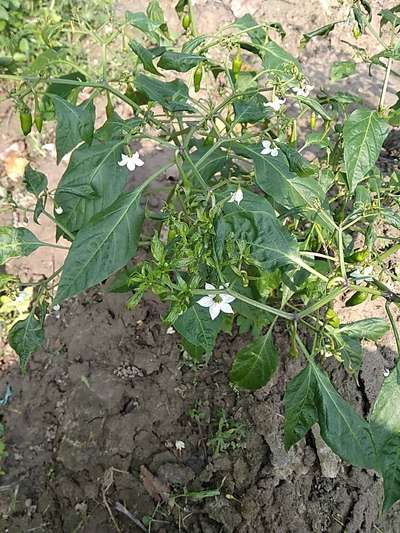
[266, 144]
[139, 162]
[227, 298]
[274, 152]
[209, 287]
[206, 301]
[266, 151]
[215, 310]
[226, 308]
[239, 196]
[131, 165]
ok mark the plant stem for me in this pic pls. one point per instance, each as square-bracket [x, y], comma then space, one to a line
[61, 226]
[341, 254]
[320, 303]
[192, 18]
[394, 327]
[385, 84]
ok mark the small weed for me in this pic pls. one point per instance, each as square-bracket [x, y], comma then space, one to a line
[229, 436]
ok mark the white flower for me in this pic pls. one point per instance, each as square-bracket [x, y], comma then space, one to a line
[275, 104]
[267, 150]
[56, 307]
[236, 196]
[386, 372]
[362, 275]
[217, 302]
[303, 91]
[131, 162]
[59, 210]
[179, 445]
[170, 331]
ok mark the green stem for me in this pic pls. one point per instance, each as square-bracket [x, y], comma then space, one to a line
[61, 226]
[192, 18]
[385, 84]
[341, 254]
[320, 303]
[394, 327]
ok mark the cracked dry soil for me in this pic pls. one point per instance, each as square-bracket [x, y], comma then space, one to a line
[111, 393]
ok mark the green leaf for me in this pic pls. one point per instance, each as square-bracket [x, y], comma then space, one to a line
[274, 177]
[190, 46]
[250, 109]
[363, 135]
[254, 222]
[26, 337]
[391, 217]
[314, 105]
[257, 35]
[196, 326]
[255, 364]
[171, 95]
[74, 124]
[16, 242]
[103, 246]
[63, 90]
[369, 328]
[179, 61]
[345, 432]
[35, 181]
[151, 24]
[180, 7]
[351, 352]
[390, 16]
[300, 409]
[318, 32]
[212, 162]
[297, 163]
[342, 69]
[385, 420]
[94, 166]
[279, 63]
[145, 56]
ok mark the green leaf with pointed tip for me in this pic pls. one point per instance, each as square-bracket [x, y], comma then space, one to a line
[247, 22]
[391, 217]
[196, 326]
[363, 135]
[94, 166]
[342, 69]
[179, 61]
[300, 409]
[279, 63]
[274, 177]
[385, 420]
[63, 90]
[145, 57]
[103, 246]
[74, 124]
[255, 364]
[211, 163]
[155, 29]
[351, 352]
[323, 31]
[35, 181]
[26, 337]
[369, 328]
[172, 95]
[254, 221]
[250, 109]
[313, 104]
[345, 432]
[16, 242]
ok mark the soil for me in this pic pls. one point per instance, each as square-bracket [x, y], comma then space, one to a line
[91, 429]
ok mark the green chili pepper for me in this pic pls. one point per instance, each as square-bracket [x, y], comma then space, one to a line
[197, 77]
[313, 120]
[25, 118]
[109, 107]
[237, 64]
[186, 21]
[38, 119]
[332, 318]
[293, 133]
[357, 298]
[358, 256]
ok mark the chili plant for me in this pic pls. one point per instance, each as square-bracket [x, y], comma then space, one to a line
[253, 232]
